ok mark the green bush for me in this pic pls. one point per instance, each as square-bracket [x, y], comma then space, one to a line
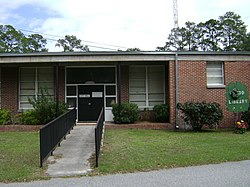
[161, 113]
[198, 114]
[5, 117]
[29, 118]
[125, 113]
[45, 107]
[246, 116]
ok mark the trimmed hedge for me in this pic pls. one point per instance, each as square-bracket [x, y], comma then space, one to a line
[161, 113]
[125, 113]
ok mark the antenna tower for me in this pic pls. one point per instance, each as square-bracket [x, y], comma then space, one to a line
[175, 11]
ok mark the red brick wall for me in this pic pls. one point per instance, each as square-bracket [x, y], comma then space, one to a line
[9, 88]
[192, 85]
[124, 83]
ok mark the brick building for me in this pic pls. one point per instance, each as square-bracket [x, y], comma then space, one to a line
[90, 81]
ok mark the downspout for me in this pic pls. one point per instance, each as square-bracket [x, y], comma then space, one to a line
[176, 90]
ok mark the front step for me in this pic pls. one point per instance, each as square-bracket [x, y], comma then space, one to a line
[85, 123]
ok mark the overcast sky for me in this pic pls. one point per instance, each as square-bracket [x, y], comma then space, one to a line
[144, 24]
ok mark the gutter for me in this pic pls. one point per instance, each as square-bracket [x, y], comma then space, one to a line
[176, 90]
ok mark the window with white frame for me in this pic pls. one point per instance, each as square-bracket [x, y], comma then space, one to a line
[32, 81]
[215, 74]
[91, 75]
[146, 85]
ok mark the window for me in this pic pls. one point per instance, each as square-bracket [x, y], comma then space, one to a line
[215, 74]
[146, 85]
[105, 76]
[71, 96]
[91, 75]
[32, 81]
[110, 95]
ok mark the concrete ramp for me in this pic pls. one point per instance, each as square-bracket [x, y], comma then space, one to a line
[72, 157]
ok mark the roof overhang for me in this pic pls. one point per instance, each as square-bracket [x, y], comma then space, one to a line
[125, 57]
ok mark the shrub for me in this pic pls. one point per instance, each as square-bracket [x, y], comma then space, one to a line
[246, 116]
[161, 113]
[29, 118]
[17, 119]
[45, 107]
[125, 113]
[5, 117]
[198, 114]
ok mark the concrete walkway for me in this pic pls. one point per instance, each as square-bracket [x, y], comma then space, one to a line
[71, 158]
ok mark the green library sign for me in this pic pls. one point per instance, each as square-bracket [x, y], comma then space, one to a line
[237, 97]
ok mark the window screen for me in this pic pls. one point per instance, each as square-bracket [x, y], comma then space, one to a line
[215, 73]
[32, 81]
[146, 85]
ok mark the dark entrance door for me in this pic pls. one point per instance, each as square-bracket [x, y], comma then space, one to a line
[90, 102]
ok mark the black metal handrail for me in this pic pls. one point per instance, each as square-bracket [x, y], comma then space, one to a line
[53, 132]
[98, 136]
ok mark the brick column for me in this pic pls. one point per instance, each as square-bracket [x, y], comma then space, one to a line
[9, 88]
[62, 84]
[124, 83]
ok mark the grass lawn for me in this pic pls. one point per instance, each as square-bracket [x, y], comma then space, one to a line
[19, 157]
[142, 150]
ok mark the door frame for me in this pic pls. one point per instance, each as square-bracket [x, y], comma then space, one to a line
[84, 84]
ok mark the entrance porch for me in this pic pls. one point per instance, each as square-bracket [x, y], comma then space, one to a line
[89, 89]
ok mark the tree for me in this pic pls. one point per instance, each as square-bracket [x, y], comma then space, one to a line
[191, 33]
[34, 43]
[233, 31]
[176, 40]
[133, 49]
[210, 35]
[71, 43]
[14, 41]
[201, 37]
[228, 33]
[10, 39]
[246, 43]
[182, 39]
